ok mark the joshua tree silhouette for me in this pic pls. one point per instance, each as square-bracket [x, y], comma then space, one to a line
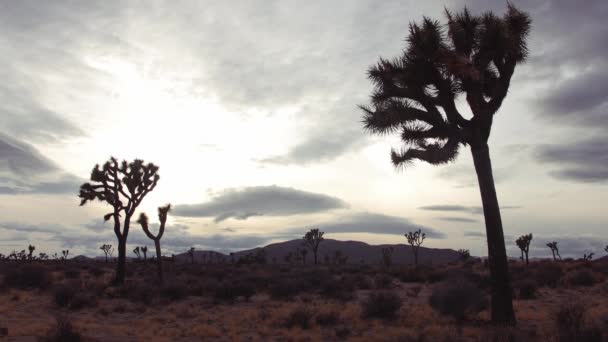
[554, 250]
[312, 239]
[387, 256]
[144, 251]
[31, 249]
[464, 254]
[415, 239]
[476, 57]
[137, 252]
[123, 186]
[191, 254]
[523, 242]
[162, 217]
[106, 250]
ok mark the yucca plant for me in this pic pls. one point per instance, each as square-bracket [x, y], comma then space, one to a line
[415, 95]
[162, 217]
[523, 242]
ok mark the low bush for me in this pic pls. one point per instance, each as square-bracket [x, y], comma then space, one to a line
[582, 277]
[174, 291]
[27, 277]
[284, 289]
[547, 274]
[82, 300]
[63, 295]
[337, 289]
[457, 298]
[527, 289]
[570, 323]
[384, 304]
[328, 318]
[230, 292]
[299, 317]
[62, 332]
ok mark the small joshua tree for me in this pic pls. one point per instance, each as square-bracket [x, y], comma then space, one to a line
[137, 252]
[606, 249]
[162, 217]
[464, 254]
[43, 256]
[106, 250]
[312, 239]
[191, 254]
[554, 250]
[523, 242]
[588, 257]
[387, 256]
[31, 251]
[65, 254]
[415, 239]
[144, 251]
[123, 186]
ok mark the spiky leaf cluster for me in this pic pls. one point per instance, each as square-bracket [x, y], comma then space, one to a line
[415, 94]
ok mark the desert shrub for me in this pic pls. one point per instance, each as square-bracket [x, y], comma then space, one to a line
[383, 281]
[27, 277]
[570, 322]
[547, 274]
[139, 292]
[62, 332]
[97, 271]
[414, 275]
[72, 273]
[582, 277]
[284, 289]
[362, 282]
[230, 292]
[174, 291]
[63, 295]
[328, 318]
[527, 289]
[384, 304]
[82, 300]
[457, 298]
[337, 289]
[299, 317]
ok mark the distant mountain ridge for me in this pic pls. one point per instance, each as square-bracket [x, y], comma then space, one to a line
[356, 252]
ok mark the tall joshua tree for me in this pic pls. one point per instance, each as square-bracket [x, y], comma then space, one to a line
[387, 256]
[106, 250]
[304, 252]
[312, 239]
[123, 186]
[523, 242]
[554, 250]
[475, 57]
[415, 239]
[162, 217]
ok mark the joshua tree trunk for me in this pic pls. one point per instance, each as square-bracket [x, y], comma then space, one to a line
[501, 294]
[159, 260]
[415, 256]
[122, 259]
[553, 252]
[315, 253]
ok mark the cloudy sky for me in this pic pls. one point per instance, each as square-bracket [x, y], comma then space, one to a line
[250, 110]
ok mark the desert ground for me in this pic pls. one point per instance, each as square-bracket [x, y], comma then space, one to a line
[76, 301]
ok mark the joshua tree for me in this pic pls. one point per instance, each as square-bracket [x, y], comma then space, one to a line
[31, 251]
[144, 251]
[606, 249]
[588, 257]
[65, 254]
[106, 250]
[312, 239]
[43, 256]
[416, 94]
[191, 254]
[137, 252]
[523, 242]
[554, 250]
[415, 239]
[123, 186]
[464, 254]
[387, 256]
[162, 217]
